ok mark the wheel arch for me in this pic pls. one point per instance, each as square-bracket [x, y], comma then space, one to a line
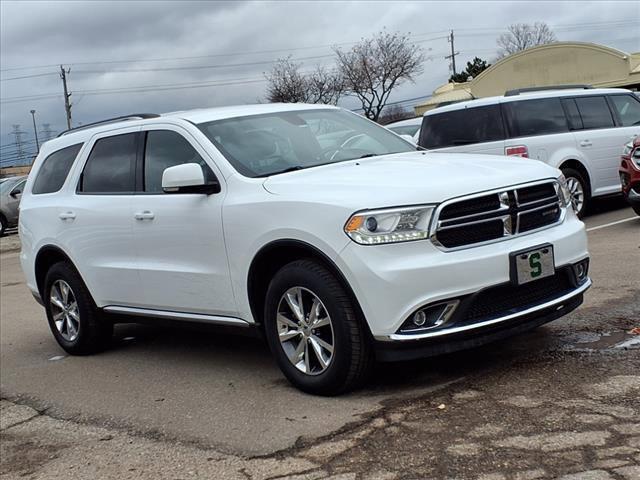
[580, 167]
[47, 256]
[276, 254]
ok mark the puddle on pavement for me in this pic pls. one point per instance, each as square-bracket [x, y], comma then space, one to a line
[590, 341]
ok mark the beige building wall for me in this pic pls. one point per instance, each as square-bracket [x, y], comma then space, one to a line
[560, 63]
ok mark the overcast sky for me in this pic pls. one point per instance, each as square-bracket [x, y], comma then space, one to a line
[118, 44]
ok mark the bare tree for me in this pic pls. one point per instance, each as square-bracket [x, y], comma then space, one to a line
[289, 85]
[394, 113]
[521, 36]
[375, 66]
[324, 86]
[286, 83]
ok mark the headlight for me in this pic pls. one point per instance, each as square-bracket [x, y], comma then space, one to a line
[564, 190]
[627, 148]
[393, 225]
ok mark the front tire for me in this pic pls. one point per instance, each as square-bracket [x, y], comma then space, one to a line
[313, 330]
[3, 225]
[74, 319]
[580, 191]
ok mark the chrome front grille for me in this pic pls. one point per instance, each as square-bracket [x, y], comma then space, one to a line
[497, 215]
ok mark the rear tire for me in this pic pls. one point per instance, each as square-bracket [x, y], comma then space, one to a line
[300, 341]
[636, 208]
[579, 189]
[75, 321]
[3, 225]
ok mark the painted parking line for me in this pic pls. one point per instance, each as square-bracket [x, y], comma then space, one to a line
[611, 224]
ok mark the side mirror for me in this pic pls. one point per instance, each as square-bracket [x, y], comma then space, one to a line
[17, 193]
[187, 178]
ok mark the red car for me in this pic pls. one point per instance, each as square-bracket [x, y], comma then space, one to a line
[630, 174]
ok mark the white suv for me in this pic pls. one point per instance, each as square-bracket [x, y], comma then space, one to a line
[581, 131]
[328, 233]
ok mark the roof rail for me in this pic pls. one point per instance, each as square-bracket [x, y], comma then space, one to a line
[133, 116]
[518, 91]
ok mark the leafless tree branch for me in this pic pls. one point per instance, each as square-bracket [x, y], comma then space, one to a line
[521, 36]
[375, 66]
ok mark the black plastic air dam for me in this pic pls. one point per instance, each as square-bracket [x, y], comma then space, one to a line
[411, 350]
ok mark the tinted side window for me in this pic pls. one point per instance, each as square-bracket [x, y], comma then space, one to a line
[166, 149]
[535, 117]
[573, 115]
[595, 112]
[628, 109]
[110, 167]
[54, 170]
[462, 127]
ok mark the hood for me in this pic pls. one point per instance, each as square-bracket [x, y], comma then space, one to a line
[406, 178]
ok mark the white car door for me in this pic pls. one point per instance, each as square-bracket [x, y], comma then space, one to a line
[601, 142]
[96, 222]
[179, 238]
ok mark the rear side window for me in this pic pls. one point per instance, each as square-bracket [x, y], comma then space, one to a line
[111, 164]
[535, 117]
[628, 109]
[595, 112]
[167, 149]
[573, 115]
[54, 170]
[462, 127]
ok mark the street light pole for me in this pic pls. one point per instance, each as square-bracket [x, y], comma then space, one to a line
[35, 130]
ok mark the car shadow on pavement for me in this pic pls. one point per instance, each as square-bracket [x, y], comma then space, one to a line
[240, 349]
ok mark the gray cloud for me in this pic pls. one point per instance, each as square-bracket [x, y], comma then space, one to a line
[49, 33]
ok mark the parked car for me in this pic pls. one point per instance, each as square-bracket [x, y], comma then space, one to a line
[410, 127]
[578, 131]
[10, 194]
[630, 174]
[333, 236]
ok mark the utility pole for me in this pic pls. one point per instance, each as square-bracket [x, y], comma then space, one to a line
[453, 53]
[18, 134]
[67, 95]
[35, 130]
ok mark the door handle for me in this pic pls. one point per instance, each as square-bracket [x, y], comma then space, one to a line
[585, 143]
[146, 215]
[67, 216]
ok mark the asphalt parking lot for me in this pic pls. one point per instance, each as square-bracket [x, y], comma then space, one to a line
[558, 402]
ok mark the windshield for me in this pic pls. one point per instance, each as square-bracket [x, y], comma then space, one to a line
[263, 145]
[7, 184]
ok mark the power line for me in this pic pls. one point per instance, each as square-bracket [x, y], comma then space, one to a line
[497, 29]
[219, 55]
[27, 76]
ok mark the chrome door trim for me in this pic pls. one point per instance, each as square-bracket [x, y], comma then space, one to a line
[183, 316]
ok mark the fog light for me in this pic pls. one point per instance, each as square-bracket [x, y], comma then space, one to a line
[581, 270]
[429, 317]
[420, 318]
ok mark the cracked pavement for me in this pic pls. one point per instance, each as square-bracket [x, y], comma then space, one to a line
[559, 402]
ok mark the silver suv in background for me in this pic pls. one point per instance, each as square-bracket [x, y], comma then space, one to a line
[581, 131]
[10, 193]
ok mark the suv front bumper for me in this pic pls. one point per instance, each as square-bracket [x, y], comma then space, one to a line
[391, 282]
[403, 347]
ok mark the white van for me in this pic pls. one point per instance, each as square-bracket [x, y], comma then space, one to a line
[581, 131]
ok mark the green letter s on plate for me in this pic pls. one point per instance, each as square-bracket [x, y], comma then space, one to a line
[534, 263]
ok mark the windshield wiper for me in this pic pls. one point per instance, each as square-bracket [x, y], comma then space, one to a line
[284, 170]
[368, 155]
